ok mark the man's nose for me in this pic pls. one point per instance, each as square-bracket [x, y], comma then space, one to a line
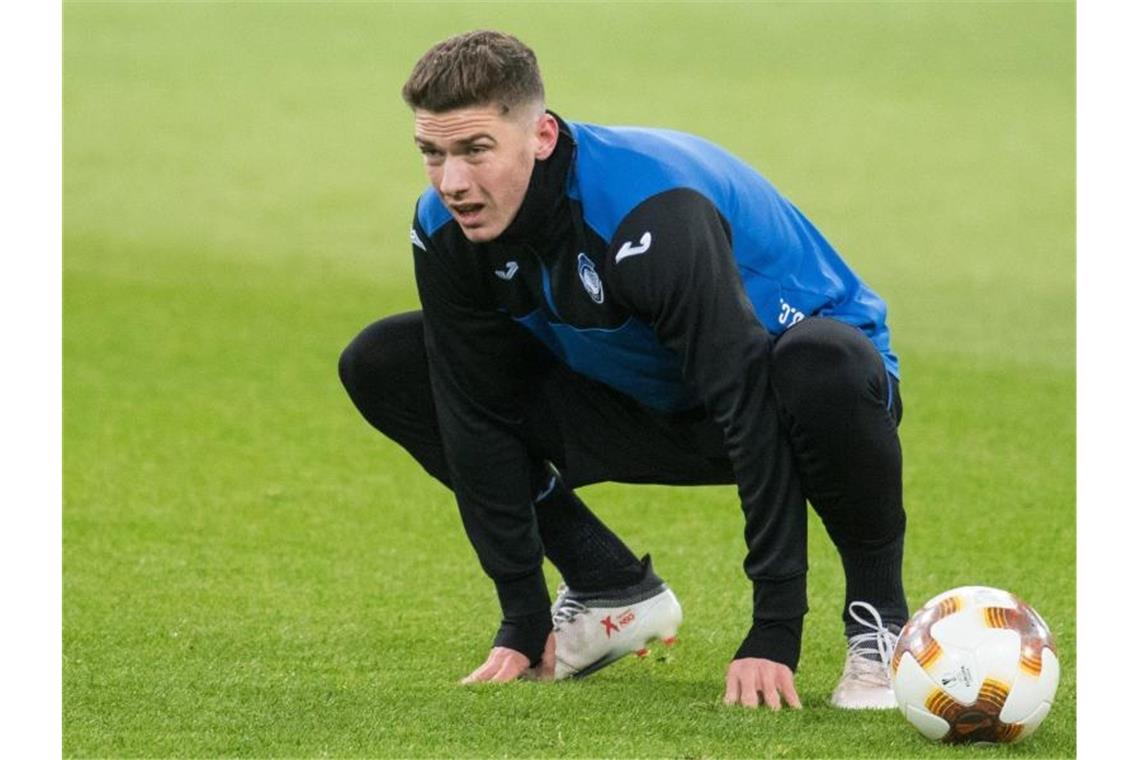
[454, 181]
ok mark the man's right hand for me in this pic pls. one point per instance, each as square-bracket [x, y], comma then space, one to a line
[504, 664]
[750, 678]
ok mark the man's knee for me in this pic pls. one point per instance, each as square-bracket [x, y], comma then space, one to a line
[385, 371]
[825, 365]
[823, 351]
[384, 357]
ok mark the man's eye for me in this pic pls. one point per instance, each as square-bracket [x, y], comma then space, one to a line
[475, 150]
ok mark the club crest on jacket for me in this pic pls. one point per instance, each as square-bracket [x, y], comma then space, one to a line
[590, 280]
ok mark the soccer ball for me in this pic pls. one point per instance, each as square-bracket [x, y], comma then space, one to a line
[975, 664]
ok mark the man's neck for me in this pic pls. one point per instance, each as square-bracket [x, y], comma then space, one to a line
[545, 203]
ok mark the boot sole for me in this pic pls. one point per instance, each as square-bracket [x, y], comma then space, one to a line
[669, 640]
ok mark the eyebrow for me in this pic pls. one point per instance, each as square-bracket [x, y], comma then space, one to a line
[465, 141]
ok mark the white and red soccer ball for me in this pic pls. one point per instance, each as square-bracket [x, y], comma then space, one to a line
[975, 664]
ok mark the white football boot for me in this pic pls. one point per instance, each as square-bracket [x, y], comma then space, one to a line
[597, 629]
[866, 680]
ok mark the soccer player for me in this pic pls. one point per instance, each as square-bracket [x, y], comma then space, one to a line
[633, 305]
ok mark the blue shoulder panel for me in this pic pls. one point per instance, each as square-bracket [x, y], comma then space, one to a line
[430, 211]
[789, 270]
[619, 167]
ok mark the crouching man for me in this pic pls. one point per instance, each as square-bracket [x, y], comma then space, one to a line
[633, 305]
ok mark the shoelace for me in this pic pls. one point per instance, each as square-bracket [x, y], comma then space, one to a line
[565, 612]
[859, 645]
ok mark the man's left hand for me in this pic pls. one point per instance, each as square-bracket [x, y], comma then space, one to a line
[504, 664]
[751, 679]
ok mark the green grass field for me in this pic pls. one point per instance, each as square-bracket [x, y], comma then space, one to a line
[249, 570]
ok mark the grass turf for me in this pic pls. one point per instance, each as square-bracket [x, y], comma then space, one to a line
[250, 570]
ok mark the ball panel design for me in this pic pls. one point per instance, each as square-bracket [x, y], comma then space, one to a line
[1035, 635]
[910, 682]
[916, 638]
[1030, 663]
[997, 655]
[1030, 691]
[1031, 722]
[957, 672]
[930, 726]
[966, 630]
[975, 722]
[983, 596]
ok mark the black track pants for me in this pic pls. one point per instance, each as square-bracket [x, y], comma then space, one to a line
[838, 404]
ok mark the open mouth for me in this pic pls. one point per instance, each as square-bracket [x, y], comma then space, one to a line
[466, 213]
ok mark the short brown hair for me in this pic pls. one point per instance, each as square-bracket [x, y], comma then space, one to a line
[473, 69]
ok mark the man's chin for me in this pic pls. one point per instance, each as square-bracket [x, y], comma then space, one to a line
[480, 234]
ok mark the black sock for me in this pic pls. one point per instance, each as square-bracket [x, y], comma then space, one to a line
[587, 553]
[874, 576]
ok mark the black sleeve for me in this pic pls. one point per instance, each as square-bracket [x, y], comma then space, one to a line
[671, 263]
[478, 367]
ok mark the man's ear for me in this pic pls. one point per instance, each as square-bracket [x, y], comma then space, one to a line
[546, 132]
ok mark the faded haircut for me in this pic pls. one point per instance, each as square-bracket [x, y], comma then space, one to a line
[475, 69]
